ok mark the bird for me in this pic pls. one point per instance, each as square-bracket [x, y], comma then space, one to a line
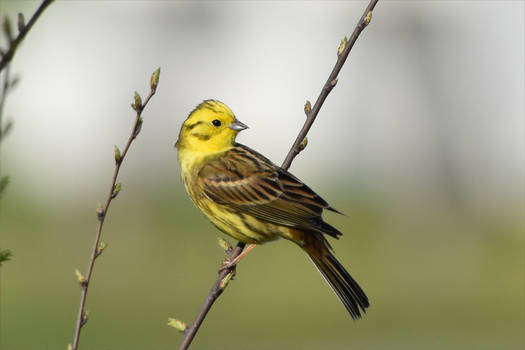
[248, 197]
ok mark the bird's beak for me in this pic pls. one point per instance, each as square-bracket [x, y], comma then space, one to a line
[237, 125]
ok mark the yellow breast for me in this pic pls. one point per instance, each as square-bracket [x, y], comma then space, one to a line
[242, 227]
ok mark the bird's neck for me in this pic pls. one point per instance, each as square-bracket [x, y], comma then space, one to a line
[192, 160]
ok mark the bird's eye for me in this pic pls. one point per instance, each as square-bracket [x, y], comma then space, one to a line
[216, 122]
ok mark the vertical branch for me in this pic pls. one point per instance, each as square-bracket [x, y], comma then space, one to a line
[114, 190]
[8, 84]
[299, 144]
[4, 129]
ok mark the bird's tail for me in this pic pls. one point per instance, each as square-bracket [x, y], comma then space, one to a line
[343, 285]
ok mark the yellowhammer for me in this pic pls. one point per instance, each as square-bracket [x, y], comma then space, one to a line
[253, 200]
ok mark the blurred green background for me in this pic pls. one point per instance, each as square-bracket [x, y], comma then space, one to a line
[420, 145]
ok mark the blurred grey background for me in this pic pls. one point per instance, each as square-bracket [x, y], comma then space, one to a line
[420, 145]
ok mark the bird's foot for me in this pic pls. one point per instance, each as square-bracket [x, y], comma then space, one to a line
[230, 264]
[227, 264]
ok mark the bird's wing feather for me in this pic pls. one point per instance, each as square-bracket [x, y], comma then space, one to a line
[250, 183]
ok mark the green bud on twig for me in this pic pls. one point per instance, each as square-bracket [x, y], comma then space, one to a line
[117, 155]
[6, 129]
[334, 82]
[4, 181]
[224, 245]
[303, 144]
[84, 318]
[14, 82]
[116, 190]
[5, 255]
[138, 102]
[69, 347]
[307, 108]
[7, 29]
[177, 324]
[100, 248]
[224, 282]
[80, 277]
[21, 22]
[368, 18]
[138, 127]
[155, 79]
[342, 46]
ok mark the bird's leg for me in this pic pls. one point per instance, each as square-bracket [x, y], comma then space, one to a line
[228, 264]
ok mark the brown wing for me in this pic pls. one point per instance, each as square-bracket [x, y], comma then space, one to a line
[250, 183]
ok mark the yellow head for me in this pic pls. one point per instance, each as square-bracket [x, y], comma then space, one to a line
[211, 127]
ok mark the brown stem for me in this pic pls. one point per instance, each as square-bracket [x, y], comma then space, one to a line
[216, 289]
[8, 56]
[214, 293]
[102, 212]
[329, 85]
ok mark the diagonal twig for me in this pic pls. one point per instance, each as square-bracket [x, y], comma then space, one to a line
[299, 144]
[343, 52]
[114, 189]
[24, 29]
[5, 59]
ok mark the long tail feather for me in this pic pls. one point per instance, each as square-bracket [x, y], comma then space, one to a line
[344, 286]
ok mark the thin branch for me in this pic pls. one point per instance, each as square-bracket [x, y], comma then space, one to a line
[6, 58]
[3, 130]
[330, 83]
[8, 84]
[299, 144]
[24, 29]
[114, 189]
[216, 290]
[3, 94]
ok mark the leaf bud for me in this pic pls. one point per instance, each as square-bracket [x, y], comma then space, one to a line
[177, 324]
[155, 79]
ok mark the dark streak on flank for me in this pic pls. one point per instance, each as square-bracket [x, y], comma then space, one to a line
[248, 225]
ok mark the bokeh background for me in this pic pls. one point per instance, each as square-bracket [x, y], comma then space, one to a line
[420, 145]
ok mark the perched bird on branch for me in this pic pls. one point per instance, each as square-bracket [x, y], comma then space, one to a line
[255, 201]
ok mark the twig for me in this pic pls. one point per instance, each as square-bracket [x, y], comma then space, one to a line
[6, 58]
[23, 30]
[298, 146]
[8, 84]
[4, 130]
[3, 94]
[114, 189]
[215, 292]
[344, 50]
